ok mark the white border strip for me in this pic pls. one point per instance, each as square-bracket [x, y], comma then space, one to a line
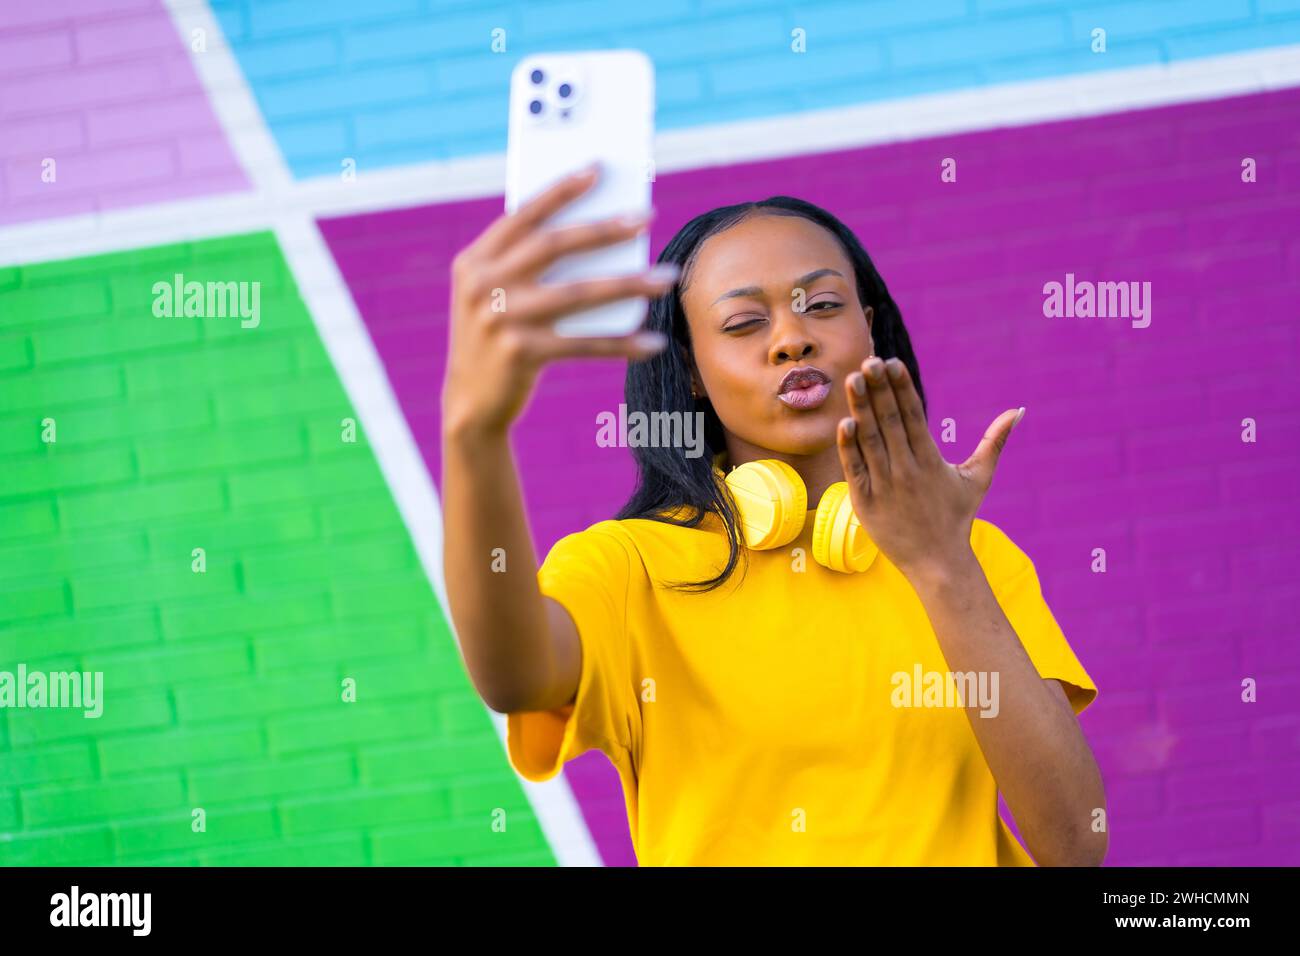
[277, 194]
[354, 356]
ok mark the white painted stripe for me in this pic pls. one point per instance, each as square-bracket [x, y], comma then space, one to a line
[934, 114]
[353, 354]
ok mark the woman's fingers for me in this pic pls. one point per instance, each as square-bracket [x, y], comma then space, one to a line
[866, 431]
[546, 346]
[855, 468]
[537, 250]
[508, 229]
[909, 405]
[888, 417]
[540, 304]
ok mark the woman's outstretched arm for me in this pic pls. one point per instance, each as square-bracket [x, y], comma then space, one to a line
[521, 649]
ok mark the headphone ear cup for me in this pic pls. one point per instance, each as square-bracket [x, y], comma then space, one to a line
[839, 540]
[772, 502]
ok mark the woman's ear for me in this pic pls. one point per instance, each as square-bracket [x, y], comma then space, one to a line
[869, 313]
[697, 386]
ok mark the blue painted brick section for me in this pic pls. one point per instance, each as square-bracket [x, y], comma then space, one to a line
[403, 81]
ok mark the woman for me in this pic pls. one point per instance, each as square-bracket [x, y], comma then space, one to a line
[762, 706]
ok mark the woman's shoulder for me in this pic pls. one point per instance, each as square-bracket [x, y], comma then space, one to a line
[1000, 556]
[672, 537]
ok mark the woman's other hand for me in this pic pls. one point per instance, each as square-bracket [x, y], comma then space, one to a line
[917, 507]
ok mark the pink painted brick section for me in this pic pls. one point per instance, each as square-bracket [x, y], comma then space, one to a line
[82, 80]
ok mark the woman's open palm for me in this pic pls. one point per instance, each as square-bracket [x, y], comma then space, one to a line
[917, 507]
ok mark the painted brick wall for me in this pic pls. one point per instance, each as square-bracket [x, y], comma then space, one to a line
[227, 684]
[1131, 440]
[106, 90]
[400, 81]
[223, 690]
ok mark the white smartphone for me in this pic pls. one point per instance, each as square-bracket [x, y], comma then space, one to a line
[568, 110]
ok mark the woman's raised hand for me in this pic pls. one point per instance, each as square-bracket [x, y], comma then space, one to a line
[502, 318]
[916, 507]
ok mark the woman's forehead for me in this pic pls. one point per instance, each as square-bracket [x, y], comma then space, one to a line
[766, 251]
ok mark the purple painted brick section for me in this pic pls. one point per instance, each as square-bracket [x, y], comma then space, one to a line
[1131, 443]
[106, 90]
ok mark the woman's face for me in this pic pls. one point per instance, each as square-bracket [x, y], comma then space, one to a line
[749, 331]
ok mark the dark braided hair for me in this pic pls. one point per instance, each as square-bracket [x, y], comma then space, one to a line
[667, 480]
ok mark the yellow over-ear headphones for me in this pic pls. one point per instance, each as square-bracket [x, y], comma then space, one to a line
[773, 504]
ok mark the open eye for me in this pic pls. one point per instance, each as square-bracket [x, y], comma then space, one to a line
[827, 303]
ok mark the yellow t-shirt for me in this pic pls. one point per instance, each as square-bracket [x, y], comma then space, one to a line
[756, 724]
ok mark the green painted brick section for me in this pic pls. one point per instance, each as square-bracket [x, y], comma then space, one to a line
[54, 303]
[232, 535]
[476, 800]
[113, 421]
[46, 392]
[165, 749]
[46, 765]
[24, 519]
[101, 799]
[357, 474]
[288, 650]
[358, 517]
[8, 811]
[111, 628]
[61, 469]
[151, 584]
[214, 700]
[55, 557]
[123, 712]
[438, 672]
[264, 571]
[171, 666]
[157, 859]
[146, 502]
[357, 808]
[15, 352]
[123, 335]
[407, 846]
[67, 846]
[231, 449]
[218, 366]
[438, 759]
[460, 715]
[24, 601]
[222, 689]
[344, 851]
[208, 618]
[349, 724]
[244, 782]
[176, 831]
[392, 592]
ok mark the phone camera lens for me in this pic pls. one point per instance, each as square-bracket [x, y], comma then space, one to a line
[537, 76]
[565, 90]
[535, 107]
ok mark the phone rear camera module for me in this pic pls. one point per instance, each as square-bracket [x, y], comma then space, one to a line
[535, 107]
[537, 76]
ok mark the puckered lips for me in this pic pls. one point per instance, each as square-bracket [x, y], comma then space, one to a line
[804, 387]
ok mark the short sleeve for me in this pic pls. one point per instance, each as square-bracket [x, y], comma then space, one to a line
[588, 573]
[1016, 586]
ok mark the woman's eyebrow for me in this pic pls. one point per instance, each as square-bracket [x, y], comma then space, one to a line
[755, 290]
